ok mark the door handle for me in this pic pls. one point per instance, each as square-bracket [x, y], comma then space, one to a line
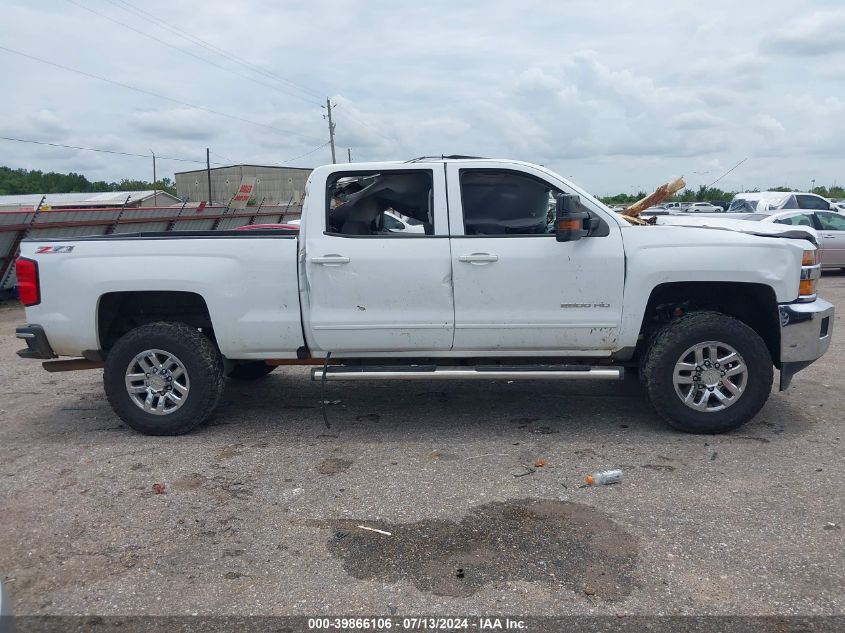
[478, 258]
[330, 260]
[829, 237]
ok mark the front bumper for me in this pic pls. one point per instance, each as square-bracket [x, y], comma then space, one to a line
[805, 331]
[37, 345]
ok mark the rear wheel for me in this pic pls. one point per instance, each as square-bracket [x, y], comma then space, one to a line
[706, 372]
[163, 378]
[251, 370]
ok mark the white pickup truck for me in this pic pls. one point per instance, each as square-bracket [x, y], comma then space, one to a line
[516, 273]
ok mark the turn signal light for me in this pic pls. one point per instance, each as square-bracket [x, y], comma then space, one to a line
[26, 271]
[807, 287]
[569, 225]
[809, 258]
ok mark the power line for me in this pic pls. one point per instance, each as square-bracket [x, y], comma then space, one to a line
[103, 151]
[194, 55]
[147, 156]
[316, 149]
[126, 6]
[727, 172]
[349, 116]
[153, 94]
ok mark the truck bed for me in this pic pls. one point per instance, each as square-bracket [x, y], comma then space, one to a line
[247, 279]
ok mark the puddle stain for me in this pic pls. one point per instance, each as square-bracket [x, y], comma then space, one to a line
[545, 541]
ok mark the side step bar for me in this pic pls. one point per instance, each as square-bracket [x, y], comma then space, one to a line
[489, 372]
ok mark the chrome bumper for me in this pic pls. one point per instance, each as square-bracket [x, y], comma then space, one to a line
[805, 331]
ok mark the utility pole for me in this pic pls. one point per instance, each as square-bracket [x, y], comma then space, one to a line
[155, 189]
[328, 116]
[349, 153]
[208, 173]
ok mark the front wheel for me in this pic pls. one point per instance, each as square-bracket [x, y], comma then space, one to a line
[706, 372]
[164, 378]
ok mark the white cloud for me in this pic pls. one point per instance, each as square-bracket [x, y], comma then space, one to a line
[819, 33]
[766, 124]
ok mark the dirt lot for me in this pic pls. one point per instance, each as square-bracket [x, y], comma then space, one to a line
[261, 508]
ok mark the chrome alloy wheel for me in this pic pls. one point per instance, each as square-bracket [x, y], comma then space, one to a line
[157, 382]
[710, 376]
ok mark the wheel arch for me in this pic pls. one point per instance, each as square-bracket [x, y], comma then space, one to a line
[755, 304]
[121, 312]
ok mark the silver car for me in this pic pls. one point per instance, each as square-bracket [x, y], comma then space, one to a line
[830, 227]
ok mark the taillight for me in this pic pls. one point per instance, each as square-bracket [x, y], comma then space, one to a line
[27, 272]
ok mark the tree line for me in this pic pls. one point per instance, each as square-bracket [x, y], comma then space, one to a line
[23, 181]
[716, 195]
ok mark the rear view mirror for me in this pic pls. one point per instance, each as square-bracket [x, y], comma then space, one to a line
[572, 221]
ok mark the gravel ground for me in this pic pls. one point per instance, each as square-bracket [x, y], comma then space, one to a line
[261, 508]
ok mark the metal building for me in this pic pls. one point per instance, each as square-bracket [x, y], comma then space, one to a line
[273, 185]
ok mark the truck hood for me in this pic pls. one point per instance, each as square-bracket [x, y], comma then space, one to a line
[751, 227]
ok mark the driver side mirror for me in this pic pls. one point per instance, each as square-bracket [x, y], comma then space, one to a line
[572, 221]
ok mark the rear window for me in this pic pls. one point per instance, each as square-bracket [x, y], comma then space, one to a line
[742, 206]
[812, 202]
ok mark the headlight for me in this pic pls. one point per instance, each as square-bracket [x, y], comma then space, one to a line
[810, 273]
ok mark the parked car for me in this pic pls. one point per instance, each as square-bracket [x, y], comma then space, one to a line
[774, 201]
[494, 287]
[703, 207]
[830, 226]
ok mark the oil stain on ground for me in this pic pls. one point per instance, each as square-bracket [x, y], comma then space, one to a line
[556, 543]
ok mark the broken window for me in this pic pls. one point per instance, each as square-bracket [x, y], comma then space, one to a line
[506, 203]
[384, 203]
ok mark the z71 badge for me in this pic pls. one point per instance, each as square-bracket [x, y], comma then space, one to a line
[43, 250]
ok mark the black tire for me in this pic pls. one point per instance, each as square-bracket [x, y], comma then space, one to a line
[202, 362]
[251, 370]
[674, 339]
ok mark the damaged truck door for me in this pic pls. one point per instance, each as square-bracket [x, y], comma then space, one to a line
[516, 287]
[372, 289]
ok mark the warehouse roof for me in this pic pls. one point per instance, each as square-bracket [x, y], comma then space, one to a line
[93, 199]
[193, 171]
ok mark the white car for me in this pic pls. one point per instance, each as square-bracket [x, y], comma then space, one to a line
[703, 207]
[774, 201]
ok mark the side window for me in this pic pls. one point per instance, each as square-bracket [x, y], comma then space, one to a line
[799, 219]
[372, 203]
[812, 202]
[831, 221]
[499, 202]
[392, 224]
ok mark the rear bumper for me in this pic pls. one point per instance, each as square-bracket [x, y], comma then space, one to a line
[805, 331]
[37, 345]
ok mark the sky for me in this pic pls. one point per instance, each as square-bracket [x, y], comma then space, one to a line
[618, 96]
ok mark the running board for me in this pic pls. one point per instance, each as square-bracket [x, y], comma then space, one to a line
[489, 372]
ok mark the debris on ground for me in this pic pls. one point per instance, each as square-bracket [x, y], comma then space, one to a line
[539, 462]
[329, 402]
[158, 489]
[604, 478]
[714, 455]
[364, 527]
[523, 471]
